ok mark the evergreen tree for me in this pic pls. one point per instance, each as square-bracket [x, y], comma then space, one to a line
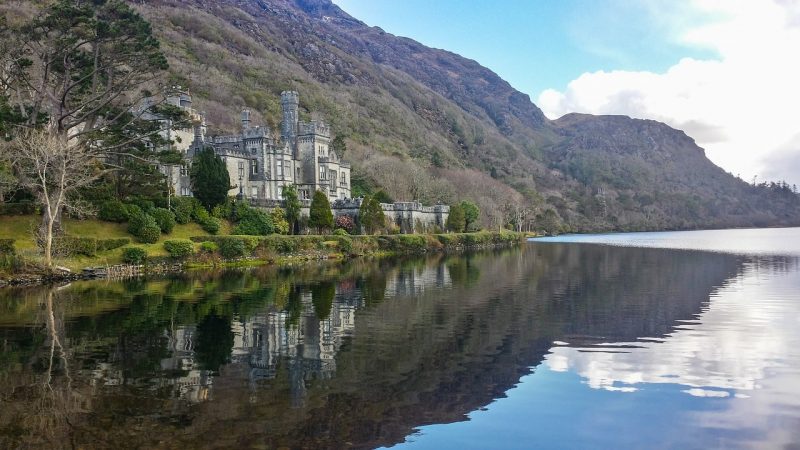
[320, 215]
[471, 215]
[371, 216]
[291, 206]
[338, 145]
[210, 180]
[455, 220]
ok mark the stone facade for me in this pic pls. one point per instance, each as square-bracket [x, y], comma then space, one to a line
[409, 217]
[260, 163]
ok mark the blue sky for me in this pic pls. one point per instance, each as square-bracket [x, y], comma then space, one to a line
[723, 71]
[534, 45]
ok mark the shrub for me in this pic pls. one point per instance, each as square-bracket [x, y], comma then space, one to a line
[11, 263]
[110, 244]
[279, 223]
[211, 225]
[225, 210]
[17, 209]
[137, 219]
[179, 248]
[209, 247]
[164, 218]
[144, 227]
[200, 214]
[144, 204]
[150, 233]
[345, 223]
[7, 247]
[340, 232]
[345, 244]
[134, 255]
[232, 248]
[113, 211]
[69, 245]
[182, 207]
[253, 222]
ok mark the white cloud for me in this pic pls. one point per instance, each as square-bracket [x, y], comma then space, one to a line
[742, 107]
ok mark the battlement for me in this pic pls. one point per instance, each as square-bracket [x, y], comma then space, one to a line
[290, 97]
[317, 127]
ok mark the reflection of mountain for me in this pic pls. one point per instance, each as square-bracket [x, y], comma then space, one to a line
[723, 350]
[362, 354]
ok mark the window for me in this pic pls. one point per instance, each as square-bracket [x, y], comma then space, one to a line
[297, 173]
[280, 167]
[184, 170]
[254, 167]
[344, 178]
[280, 191]
[321, 173]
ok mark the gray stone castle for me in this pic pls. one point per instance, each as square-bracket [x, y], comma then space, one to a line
[260, 164]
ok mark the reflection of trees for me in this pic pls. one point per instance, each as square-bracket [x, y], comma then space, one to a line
[214, 342]
[322, 295]
[40, 414]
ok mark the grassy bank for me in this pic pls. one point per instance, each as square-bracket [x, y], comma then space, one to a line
[201, 249]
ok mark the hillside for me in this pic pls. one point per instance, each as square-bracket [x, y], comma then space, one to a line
[428, 124]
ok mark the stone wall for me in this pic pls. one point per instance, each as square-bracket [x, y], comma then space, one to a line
[409, 217]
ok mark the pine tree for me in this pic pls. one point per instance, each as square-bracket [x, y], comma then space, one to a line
[371, 216]
[210, 179]
[455, 220]
[291, 206]
[471, 214]
[320, 215]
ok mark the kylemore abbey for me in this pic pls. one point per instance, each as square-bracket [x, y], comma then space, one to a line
[260, 163]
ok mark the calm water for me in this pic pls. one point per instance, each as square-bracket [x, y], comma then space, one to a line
[555, 345]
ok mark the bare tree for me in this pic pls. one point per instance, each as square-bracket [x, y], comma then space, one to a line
[52, 168]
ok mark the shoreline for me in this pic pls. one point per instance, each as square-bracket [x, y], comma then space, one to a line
[267, 250]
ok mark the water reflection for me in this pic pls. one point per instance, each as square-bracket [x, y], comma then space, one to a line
[362, 354]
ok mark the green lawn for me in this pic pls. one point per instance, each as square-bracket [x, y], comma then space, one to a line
[20, 228]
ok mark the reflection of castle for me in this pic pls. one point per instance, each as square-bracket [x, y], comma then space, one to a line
[194, 384]
[416, 280]
[265, 339]
[262, 342]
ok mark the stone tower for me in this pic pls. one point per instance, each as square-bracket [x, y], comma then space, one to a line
[290, 103]
[245, 119]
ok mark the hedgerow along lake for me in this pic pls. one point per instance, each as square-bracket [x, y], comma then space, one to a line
[605, 341]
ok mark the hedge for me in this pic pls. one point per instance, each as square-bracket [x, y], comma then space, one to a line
[233, 248]
[400, 243]
[111, 244]
[86, 246]
[179, 248]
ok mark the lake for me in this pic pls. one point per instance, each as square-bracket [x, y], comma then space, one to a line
[636, 340]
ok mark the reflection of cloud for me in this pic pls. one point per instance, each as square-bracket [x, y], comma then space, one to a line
[748, 331]
[696, 392]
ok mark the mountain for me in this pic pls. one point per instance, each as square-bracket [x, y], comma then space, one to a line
[428, 124]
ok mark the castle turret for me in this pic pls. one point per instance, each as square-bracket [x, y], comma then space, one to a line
[245, 119]
[290, 103]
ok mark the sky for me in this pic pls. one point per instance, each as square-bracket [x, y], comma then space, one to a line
[727, 72]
